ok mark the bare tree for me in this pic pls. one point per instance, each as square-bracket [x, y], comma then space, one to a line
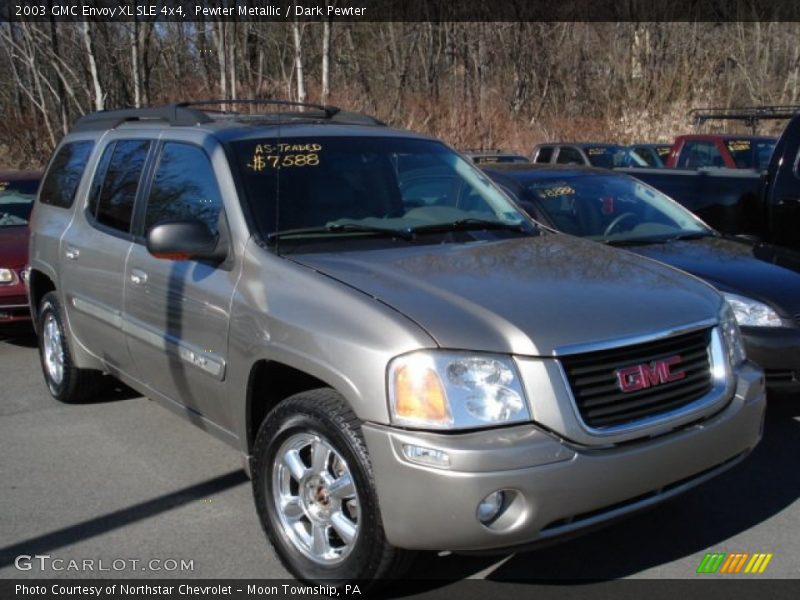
[99, 97]
[298, 61]
[326, 60]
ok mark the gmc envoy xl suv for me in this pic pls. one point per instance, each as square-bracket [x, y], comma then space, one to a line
[403, 358]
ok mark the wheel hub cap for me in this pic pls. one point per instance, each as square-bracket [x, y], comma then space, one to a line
[315, 498]
[53, 350]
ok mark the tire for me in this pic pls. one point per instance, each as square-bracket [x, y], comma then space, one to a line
[351, 544]
[66, 382]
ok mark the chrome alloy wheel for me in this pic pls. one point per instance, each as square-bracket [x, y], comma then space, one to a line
[52, 343]
[315, 498]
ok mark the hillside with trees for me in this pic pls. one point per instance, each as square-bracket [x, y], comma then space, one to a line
[506, 85]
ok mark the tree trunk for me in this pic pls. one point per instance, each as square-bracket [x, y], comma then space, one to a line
[298, 61]
[99, 97]
[326, 60]
[137, 84]
[219, 40]
[63, 107]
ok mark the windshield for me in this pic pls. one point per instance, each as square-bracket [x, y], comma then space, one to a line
[365, 187]
[606, 156]
[16, 201]
[750, 154]
[611, 208]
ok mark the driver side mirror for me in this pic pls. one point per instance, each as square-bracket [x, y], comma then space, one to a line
[185, 240]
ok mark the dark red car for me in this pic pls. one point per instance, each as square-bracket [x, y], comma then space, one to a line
[718, 150]
[17, 193]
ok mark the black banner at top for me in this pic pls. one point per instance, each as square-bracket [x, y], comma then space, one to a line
[399, 10]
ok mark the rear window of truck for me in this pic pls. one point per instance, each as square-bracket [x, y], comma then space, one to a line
[750, 154]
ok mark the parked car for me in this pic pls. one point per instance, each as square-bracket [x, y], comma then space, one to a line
[652, 155]
[695, 151]
[488, 157]
[399, 373]
[742, 201]
[17, 192]
[606, 156]
[761, 282]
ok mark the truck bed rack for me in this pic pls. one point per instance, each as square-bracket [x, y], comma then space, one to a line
[751, 115]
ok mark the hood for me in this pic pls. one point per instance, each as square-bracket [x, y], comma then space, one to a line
[13, 246]
[526, 296]
[759, 271]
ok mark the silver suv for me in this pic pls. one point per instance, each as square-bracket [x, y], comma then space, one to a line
[404, 360]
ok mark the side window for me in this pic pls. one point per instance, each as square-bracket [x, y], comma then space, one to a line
[184, 188]
[66, 170]
[114, 188]
[544, 155]
[569, 156]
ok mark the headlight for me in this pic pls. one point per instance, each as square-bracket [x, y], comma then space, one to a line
[7, 276]
[751, 313]
[453, 390]
[731, 335]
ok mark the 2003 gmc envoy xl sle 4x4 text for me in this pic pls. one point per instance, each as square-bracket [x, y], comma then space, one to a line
[405, 359]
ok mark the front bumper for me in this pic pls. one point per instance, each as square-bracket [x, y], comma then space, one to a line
[777, 351]
[558, 487]
[14, 303]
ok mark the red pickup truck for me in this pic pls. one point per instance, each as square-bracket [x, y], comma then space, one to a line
[719, 150]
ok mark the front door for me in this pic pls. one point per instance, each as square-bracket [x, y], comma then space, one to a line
[177, 312]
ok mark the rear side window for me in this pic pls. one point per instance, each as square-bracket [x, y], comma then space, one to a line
[184, 188]
[65, 174]
[569, 156]
[544, 155]
[116, 182]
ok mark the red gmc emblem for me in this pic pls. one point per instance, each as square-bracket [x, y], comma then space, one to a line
[641, 377]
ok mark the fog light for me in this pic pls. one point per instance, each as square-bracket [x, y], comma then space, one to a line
[490, 507]
[426, 456]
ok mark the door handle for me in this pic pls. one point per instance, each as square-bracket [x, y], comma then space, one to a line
[138, 277]
[72, 253]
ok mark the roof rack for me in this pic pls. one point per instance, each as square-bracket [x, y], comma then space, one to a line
[749, 114]
[187, 114]
[174, 114]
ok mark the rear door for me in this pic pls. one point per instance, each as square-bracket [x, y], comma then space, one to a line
[177, 312]
[95, 247]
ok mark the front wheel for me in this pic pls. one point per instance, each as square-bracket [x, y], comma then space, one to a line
[315, 495]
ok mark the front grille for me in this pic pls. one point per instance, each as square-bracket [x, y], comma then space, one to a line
[602, 404]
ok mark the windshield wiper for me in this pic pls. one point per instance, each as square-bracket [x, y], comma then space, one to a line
[642, 241]
[470, 224]
[691, 235]
[637, 241]
[339, 229]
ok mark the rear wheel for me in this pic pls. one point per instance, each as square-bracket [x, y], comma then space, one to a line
[315, 494]
[66, 382]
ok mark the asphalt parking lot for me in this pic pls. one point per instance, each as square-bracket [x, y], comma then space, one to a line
[123, 478]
